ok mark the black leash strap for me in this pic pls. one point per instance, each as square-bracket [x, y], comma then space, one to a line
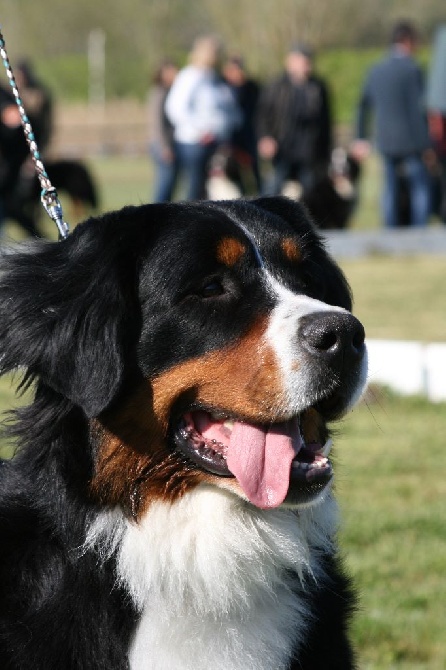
[49, 197]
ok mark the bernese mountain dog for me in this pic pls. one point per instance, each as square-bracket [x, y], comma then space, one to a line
[170, 504]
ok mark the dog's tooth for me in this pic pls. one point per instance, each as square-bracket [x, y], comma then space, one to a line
[300, 465]
[327, 447]
[229, 423]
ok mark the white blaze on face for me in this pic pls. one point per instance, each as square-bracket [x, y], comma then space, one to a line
[281, 337]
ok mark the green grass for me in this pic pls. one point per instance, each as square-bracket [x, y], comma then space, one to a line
[399, 297]
[126, 180]
[392, 489]
[367, 214]
[9, 399]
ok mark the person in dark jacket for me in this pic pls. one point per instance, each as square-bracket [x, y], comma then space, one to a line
[394, 92]
[243, 139]
[436, 111]
[161, 144]
[294, 123]
[37, 101]
[17, 175]
[13, 148]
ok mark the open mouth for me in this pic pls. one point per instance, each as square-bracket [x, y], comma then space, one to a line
[274, 463]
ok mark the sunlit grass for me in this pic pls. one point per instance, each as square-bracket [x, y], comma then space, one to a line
[400, 297]
[392, 491]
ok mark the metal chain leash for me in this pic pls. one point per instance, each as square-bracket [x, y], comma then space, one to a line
[49, 197]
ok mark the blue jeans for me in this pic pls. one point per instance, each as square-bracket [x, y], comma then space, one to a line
[415, 172]
[165, 175]
[193, 161]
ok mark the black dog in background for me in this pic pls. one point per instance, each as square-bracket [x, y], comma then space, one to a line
[70, 177]
[333, 197]
[331, 200]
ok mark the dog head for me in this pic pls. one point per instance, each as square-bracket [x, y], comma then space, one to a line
[205, 343]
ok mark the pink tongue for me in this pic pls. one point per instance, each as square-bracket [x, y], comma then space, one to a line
[260, 458]
[261, 461]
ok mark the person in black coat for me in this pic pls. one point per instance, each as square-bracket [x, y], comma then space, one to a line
[436, 112]
[394, 92]
[13, 148]
[243, 139]
[294, 123]
[17, 174]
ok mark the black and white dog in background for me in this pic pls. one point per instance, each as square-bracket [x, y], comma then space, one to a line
[331, 200]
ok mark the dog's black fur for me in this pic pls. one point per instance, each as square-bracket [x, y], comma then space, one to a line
[88, 320]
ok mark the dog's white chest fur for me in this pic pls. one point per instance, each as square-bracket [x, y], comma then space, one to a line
[210, 575]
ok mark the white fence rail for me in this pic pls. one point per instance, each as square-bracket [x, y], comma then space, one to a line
[410, 368]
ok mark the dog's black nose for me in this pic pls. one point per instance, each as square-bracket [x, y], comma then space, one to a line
[336, 337]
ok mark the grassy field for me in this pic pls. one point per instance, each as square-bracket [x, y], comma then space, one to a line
[400, 298]
[392, 491]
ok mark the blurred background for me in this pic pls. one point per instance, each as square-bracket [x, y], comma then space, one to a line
[98, 61]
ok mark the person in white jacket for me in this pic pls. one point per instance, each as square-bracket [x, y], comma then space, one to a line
[203, 112]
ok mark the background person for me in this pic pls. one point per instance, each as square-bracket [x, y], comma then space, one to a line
[14, 153]
[203, 113]
[243, 139]
[294, 123]
[394, 92]
[161, 144]
[37, 101]
[17, 171]
[436, 107]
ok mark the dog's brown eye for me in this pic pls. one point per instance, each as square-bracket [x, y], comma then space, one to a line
[212, 289]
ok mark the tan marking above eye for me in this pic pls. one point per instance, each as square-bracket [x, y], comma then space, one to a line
[291, 250]
[229, 251]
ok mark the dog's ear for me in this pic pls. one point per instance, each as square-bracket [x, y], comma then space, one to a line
[68, 316]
